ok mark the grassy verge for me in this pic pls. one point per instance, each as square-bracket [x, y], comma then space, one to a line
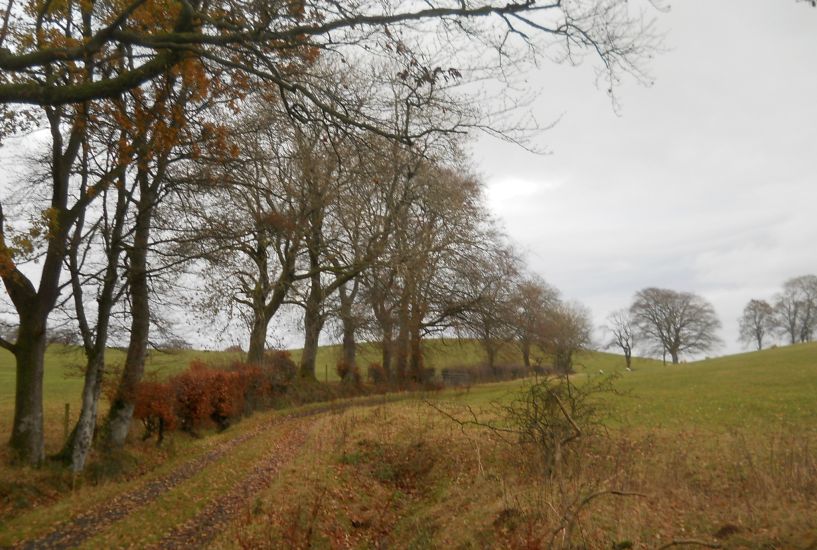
[402, 476]
[719, 452]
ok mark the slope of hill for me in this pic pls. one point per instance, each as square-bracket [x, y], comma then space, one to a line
[771, 387]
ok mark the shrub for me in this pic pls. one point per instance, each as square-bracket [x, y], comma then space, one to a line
[553, 413]
[348, 373]
[194, 403]
[377, 374]
[154, 406]
[226, 396]
[280, 368]
[256, 385]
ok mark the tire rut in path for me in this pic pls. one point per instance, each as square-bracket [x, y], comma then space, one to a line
[82, 527]
[201, 529]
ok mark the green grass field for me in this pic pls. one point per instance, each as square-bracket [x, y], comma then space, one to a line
[770, 389]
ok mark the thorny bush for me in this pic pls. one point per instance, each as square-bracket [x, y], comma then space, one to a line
[554, 412]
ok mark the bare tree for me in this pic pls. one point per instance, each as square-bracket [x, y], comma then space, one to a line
[796, 308]
[248, 222]
[533, 301]
[97, 274]
[675, 322]
[490, 317]
[756, 323]
[622, 332]
[34, 298]
[425, 281]
[569, 330]
[42, 63]
[170, 128]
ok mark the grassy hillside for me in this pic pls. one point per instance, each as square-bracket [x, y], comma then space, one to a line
[773, 387]
[443, 353]
[63, 372]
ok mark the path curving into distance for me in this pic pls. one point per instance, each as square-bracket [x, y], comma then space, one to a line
[207, 524]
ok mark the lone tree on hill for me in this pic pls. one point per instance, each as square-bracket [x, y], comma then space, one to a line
[675, 322]
[756, 323]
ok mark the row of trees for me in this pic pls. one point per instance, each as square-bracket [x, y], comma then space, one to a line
[293, 152]
[792, 314]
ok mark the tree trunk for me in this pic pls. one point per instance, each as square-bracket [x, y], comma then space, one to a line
[526, 353]
[628, 356]
[674, 355]
[347, 299]
[401, 351]
[416, 354]
[349, 346]
[83, 436]
[403, 343]
[265, 310]
[313, 324]
[27, 430]
[258, 340]
[34, 305]
[383, 315]
[121, 412]
[95, 341]
[388, 350]
[490, 353]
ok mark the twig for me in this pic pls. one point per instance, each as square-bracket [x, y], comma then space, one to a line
[691, 542]
[571, 515]
[578, 432]
[475, 421]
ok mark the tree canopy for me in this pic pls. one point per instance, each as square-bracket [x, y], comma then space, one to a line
[675, 323]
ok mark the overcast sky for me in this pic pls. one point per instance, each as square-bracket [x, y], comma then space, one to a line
[706, 181]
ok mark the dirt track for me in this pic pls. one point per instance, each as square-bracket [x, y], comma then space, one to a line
[202, 528]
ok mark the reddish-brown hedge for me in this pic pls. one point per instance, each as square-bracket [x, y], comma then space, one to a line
[155, 407]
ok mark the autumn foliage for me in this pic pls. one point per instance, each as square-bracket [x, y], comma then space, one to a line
[204, 396]
[348, 373]
[154, 406]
